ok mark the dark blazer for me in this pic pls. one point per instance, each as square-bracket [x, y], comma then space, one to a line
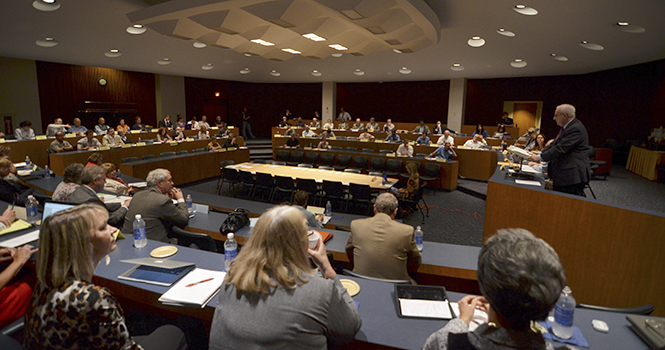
[568, 156]
[163, 124]
[84, 194]
[12, 192]
[158, 212]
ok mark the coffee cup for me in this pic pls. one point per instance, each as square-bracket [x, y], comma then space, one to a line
[313, 238]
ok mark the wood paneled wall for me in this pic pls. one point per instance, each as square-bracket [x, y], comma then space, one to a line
[63, 88]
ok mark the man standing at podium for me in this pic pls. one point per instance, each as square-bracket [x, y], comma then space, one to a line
[568, 153]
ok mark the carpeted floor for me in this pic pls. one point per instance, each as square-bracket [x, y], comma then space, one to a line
[457, 217]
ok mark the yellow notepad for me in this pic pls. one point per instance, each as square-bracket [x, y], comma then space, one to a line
[16, 226]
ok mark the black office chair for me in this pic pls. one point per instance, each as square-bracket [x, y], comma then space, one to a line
[184, 151]
[283, 155]
[406, 175]
[327, 159]
[229, 176]
[385, 151]
[312, 157]
[283, 184]
[360, 194]
[638, 310]
[332, 191]
[343, 162]
[393, 167]
[246, 181]
[336, 148]
[360, 162]
[414, 203]
[431, 172]
[198, 150]
[149, 156]
[367, 150]
[352, 149]
[305, 165]
[262, 161]
[595, 165]
[200, 240]
[323, 167]
[355, 274]
[378, 164]
[263, 182]
[309, 186]
[130, 159]
[296, 158]
[167, 154]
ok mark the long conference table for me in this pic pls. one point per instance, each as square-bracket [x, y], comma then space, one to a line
[645, 162]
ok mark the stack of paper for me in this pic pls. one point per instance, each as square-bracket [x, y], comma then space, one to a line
[195, 290]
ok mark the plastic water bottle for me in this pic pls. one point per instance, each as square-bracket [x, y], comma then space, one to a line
[47, 172]
[140, 239]
[31, 210]
[27, 160]
[419, 238]
[563, 314]
[230, 250]
[328, 209]
[139, 139]
[118, 174]
[190, 209]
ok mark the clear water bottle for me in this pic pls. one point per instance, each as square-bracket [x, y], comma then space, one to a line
[118, 174]
[328, 209]
[31, 210]
[140, 239]
[230, 250]
[419, 238]
[190, 209]
[139, 139]
[563, 314]
[47, 172]
[27, 160]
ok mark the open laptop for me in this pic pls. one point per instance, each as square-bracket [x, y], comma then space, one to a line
[31, 236]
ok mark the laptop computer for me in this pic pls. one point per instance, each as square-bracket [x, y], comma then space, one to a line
[650, 329]
[156, 271]
[31, 236]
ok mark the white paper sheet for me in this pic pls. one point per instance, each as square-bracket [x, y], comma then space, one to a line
[21, 240]
[527, 182]
[425, 308]
[191, 290]
[479, 317]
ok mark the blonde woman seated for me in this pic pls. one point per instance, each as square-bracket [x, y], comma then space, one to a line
[271, 298]
[113, 182]
[67, 310]
[163, 135]
[203, 133]
[412, 183]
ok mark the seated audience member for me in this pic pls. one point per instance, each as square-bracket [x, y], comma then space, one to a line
[328, 133]
[70, 182]
[480, 130]
[284, 123]
[203, 132]
[405, 150]
[289, 131]
[505, 119]
[77, 128]
[343, 126]
[446, 152]
[540, 144]
[366, 136]
[12, 191]
[315, 124]
[113, 182]
[300, 199]
[308, 132]
[59, 144]
[123, 137]
[446, 138]
[219, 123]
[56, 126]
[372, 126]
[328, 125]
[381, 247]
[292, 142]
[230, 141]
[163, 135]
[88, 142]
[520, 280]
[392, 137]
[68, 311]
[93, 179]
[271, 274]
[324, 144]
[343, 115]
[421, 128]
[95, 159]
[358, 125]
[156, 207]
[14, 291]
[204, 122]
[24, 131]
[412, 183]
[165, 123]
[299, 123]
[192, 124]
[389, 126]
[440, 129]
[180, 121]
[122, 126]
[112, 139]
[531, 143]
[101, 128]
[289, 115]
[423, 140]
[179, 135]
[214, 145]
[476, 142]
[138, 125]
[6, 152]
[500, 132]
[223, 132]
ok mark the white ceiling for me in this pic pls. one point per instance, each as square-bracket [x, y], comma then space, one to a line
[86, 29]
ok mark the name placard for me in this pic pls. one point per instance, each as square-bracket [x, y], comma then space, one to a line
[190, 139]
[104, 148]
[141, 144]
[126, 145]
[70, 135]
[173, 143]
[134, 131]
[40, 137]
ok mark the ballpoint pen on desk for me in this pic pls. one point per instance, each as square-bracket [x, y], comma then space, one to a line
[199, 282]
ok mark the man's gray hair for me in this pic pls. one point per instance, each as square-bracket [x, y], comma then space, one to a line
[91, 173]
[386, 203]
[520, 275]
[567, 109]
[156, 176]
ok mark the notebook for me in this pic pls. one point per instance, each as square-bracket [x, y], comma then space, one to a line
[650, 329]
[156, 271]
[423, 302]
[195, 290]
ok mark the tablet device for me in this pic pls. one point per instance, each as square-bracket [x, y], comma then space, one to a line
[423, 302]
[156, 271]
[650, 329]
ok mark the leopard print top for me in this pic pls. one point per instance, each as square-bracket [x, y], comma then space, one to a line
[78, 315]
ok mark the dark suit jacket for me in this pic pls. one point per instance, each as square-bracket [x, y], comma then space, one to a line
[158, 212]
[12, 192]
[162, 124]
[84, 194]
[568, 156]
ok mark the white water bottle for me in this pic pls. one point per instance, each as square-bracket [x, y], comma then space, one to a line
[230, 251]
[188, 201]
[31, 210]
[27, 160]
[47, 172]
[419, 238]
[140, 239]
[563, 314]
[118, 174]
[328, 209]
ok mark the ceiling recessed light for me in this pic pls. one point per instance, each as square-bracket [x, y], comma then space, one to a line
[505, 32]
[338, 47]
[45, 5]
[316, 73]
[591, 46]
[518, 63]
[262, 42]
[199, 45]
[405, 70]
[164, 61]
[136, 29]
[337, 54]
[292, 51]
[629, 28]
[312, 36]
[113, 53]
[559, 57]
[47, 42]
[525, 10]
[358, 72]
[457, 67]
[397, 51]
[275, 73]
[208, 66]
[248, 54]
[245, 71]
[476, 41]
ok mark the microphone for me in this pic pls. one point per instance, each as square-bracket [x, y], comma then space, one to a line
[528, 132]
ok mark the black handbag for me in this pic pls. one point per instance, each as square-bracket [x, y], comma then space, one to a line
[236, 220]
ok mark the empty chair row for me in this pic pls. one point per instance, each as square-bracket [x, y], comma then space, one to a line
[163, 154]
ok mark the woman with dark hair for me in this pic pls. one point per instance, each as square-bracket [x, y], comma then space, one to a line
[71, 181]
[500, 131]
[480, 130]
[113, 182]
[163, 135]
[271, 298]
[520, 277]
[24, 131]
[541, 142]
[67, 310]
[180, 121]
[95, 159]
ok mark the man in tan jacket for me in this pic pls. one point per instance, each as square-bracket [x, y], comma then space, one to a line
[381, 247]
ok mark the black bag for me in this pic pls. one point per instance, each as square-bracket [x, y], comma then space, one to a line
[237, 219]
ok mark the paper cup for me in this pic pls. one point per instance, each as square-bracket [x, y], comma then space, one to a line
[313, 238]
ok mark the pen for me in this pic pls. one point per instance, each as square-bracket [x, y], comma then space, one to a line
[199, 282]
